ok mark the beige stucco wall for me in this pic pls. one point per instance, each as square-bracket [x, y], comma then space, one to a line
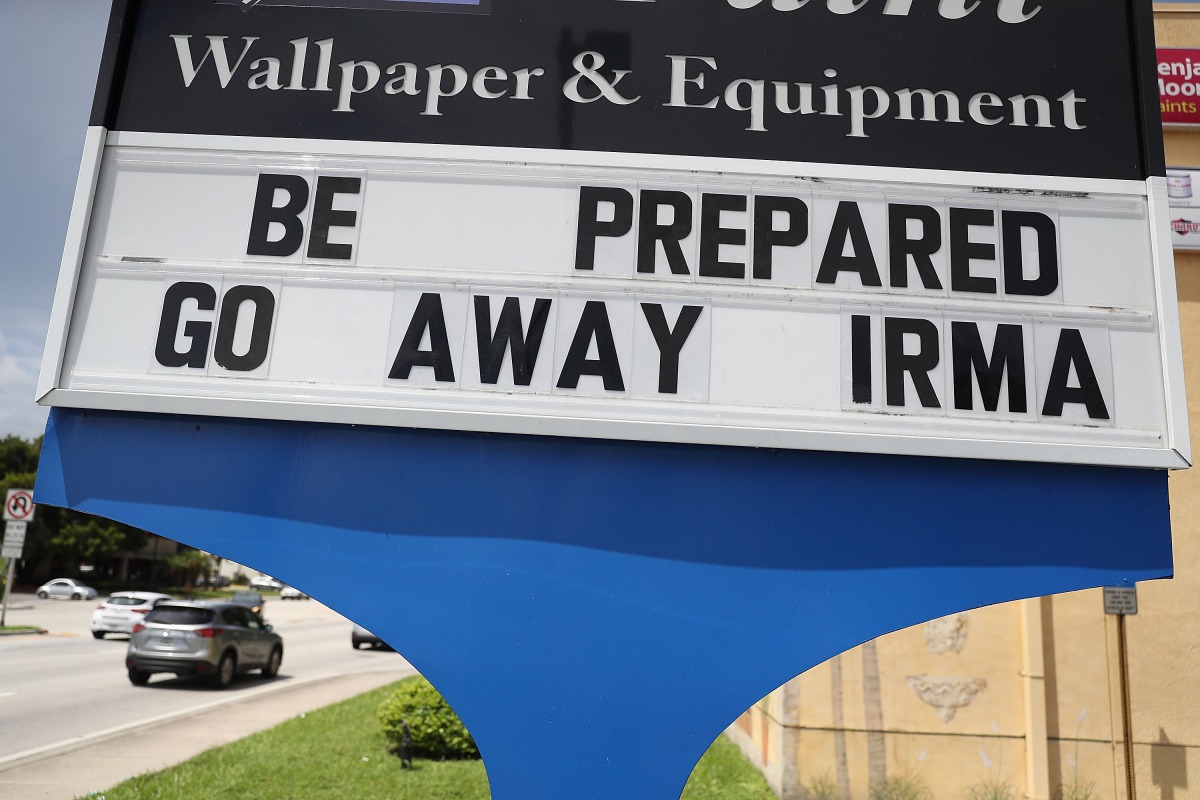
[1040, 738]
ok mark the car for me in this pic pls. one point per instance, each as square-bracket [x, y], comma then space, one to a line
[264, 582]
[65, 588]
[252, 600]
[360, 636]
[120, 611]
[291, 593]
[206, 639]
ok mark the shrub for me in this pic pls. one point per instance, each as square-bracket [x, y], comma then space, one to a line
[902, 787]
[992, 789]
[436, 731]
[822, 787]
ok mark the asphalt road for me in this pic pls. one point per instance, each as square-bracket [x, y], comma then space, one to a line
[65, 687]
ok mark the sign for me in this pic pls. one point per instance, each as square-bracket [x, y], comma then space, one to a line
[14, 532]
[635, 231]
[1120, 600]
[14, 539]
[496, 228]
[1185, 207]
[18, 505]
[1178, 85]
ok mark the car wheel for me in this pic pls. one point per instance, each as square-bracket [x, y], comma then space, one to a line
[77, 596]
[357, 644]
[97, 634]
[271, 669]
[138, 677]
[42, 595]
[225, 670]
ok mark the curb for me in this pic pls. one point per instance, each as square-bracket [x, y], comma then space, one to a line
[24, 632]
[58, 748]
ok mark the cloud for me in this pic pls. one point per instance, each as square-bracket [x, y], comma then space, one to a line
[21, 340]
[53, 49]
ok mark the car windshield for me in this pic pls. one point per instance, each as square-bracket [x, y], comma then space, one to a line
[178, 615]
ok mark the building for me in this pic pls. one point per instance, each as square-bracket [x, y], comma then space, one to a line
[1021, 699]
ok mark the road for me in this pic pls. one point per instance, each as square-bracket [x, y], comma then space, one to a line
[65, 686]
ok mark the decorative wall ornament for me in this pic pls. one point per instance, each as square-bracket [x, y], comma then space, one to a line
[947, 695]
[946, 634]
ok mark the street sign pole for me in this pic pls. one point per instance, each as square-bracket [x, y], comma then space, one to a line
[1126, 721]
[14, 538]
[8, 582]
[1122, 601]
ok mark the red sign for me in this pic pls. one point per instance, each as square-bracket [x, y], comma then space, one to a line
[1179, 86]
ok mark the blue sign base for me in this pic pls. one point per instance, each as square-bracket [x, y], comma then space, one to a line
[599, 611]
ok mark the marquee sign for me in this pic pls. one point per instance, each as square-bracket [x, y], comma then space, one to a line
[618, 226]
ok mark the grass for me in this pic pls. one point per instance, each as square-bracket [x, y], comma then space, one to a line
[724, 774]
[339, 752]
[19, 629]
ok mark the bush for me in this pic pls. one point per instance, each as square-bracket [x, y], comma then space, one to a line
[436, 731]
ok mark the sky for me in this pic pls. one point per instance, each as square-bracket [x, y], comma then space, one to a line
[49, 54]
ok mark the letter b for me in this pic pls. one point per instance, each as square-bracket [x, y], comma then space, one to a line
[287, 215]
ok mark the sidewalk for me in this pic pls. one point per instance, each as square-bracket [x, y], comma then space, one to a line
[106, 759]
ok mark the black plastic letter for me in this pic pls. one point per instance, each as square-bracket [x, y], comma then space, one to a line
[963, 250]
[196, 331]
[1072, 352]
[767, 237]
[896, 362]
[860, 358]
[921, 249]
[260, 328]
[670, 342]
[428, 315]
[848, 224]
[287, 215]
[1011, 223]
[712, 236]
[326, 217]
[509, 337]
[970, 361]
[593, 324]
[590, 227]
[650, 231]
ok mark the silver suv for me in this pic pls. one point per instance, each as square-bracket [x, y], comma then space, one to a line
[212, 640]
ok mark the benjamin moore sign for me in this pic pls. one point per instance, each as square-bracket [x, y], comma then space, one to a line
[716, 222]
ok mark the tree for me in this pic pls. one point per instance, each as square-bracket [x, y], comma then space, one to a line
[86, 539]
[70, 537]
[19, 456]
[192, 563]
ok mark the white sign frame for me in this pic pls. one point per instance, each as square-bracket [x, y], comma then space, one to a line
[1166, 448]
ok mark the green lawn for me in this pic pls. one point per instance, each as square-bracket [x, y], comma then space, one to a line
[339, 752]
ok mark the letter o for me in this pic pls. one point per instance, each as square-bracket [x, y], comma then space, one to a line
[260, 329]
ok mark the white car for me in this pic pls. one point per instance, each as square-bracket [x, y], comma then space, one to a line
[66, 588]
[291, 593]
[120, 611]
[263, 582]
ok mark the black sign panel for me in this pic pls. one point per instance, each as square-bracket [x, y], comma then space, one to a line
[1010, 86]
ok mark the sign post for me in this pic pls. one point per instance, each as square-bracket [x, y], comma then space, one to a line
[1121, 601]
[18, 510]
[623, 332]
